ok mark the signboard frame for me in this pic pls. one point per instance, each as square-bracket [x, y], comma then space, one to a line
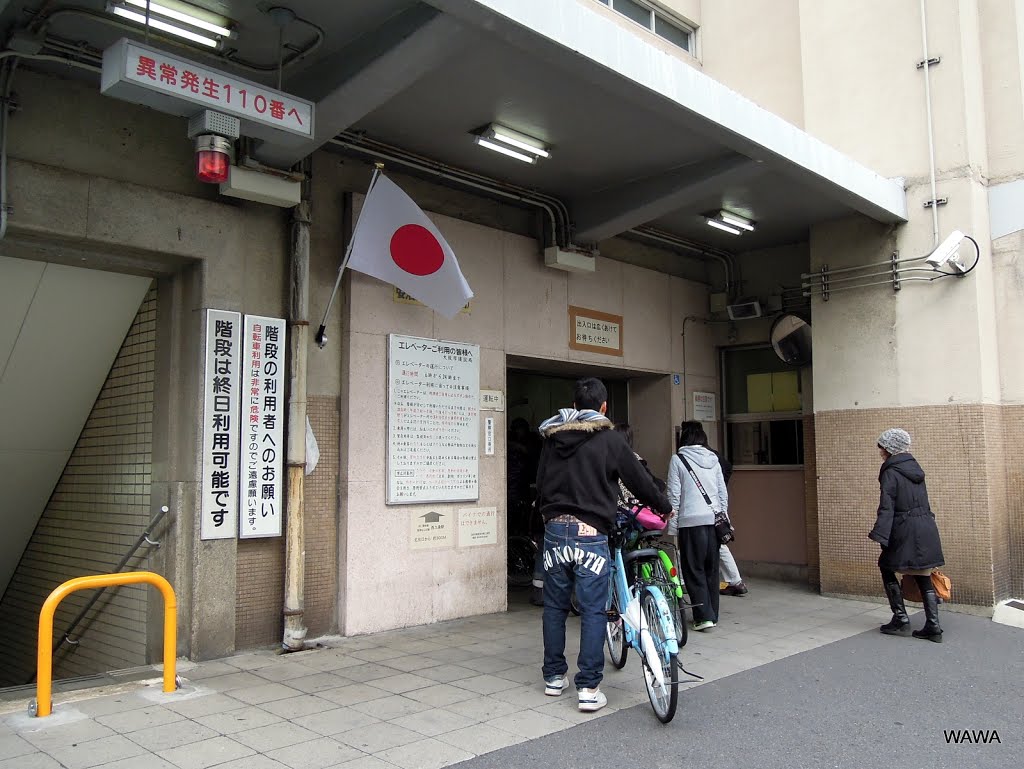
[269, 436]
[604, 318]
[470, 430]
[220, 417]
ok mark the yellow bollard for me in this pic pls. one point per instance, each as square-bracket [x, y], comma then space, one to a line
[44, 653]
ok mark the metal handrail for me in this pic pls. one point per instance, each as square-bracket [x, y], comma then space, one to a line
[43, 704]
[143, 538]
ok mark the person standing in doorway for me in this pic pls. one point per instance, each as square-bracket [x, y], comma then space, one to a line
[905, 528]
[696, 489]
[577, 485]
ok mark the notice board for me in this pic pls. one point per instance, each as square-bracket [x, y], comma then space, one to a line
[433, 421]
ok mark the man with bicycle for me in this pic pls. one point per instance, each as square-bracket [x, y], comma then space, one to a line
[581, 464]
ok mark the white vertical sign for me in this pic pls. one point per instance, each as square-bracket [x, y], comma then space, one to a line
[489, 436]
[220, 425]
[263, 407]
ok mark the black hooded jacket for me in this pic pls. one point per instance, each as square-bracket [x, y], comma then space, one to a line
[580, 467]
[905, 527]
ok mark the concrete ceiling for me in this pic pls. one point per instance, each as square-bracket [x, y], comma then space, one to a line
[638, 136]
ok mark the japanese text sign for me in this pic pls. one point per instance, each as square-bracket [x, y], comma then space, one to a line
[478, 526]
[262, 417]
[433, 421]
[593, 331]
[220, 426]
[147, 75]
[704, 407]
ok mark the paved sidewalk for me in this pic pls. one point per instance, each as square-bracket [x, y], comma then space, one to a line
[416, 698]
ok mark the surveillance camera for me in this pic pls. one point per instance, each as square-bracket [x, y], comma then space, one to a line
[946, 252]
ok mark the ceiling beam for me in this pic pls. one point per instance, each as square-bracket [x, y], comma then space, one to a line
[355, 81]
[614, 211]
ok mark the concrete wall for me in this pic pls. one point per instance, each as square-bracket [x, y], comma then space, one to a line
[520, 308]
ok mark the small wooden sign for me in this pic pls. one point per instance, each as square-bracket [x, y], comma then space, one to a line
[594, 331]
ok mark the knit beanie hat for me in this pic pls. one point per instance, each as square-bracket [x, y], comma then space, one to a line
[895, 440]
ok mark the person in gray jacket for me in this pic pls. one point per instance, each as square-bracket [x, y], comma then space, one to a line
[694, 517]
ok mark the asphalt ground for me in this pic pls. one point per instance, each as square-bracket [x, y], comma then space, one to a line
[867, 701]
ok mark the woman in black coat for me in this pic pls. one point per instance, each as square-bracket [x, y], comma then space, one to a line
[906, 530]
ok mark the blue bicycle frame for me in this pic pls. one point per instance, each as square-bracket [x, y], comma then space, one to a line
[670, 646]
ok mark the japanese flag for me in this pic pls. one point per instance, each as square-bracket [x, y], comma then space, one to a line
[396, 242]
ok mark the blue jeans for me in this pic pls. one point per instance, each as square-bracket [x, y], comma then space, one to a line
[569, 560]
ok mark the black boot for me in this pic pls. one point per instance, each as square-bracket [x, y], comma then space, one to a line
[900, 622]
[931, 630]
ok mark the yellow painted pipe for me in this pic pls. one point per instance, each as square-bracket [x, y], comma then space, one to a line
[44, 653]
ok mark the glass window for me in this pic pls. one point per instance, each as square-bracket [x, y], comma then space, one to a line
[757, 381]
[767, 442]
[672, 33]
[763, 405]
[634, 11]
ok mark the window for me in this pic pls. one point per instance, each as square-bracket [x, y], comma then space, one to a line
[763, 408]
[656, 20]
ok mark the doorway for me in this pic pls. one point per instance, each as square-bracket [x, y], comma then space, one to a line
[531, 397]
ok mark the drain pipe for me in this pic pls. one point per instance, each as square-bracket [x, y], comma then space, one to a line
[926, 66]
[298, 334]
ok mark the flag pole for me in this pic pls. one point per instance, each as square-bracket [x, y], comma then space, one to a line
[321, 335]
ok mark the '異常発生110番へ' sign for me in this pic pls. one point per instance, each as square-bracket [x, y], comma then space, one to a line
[146, 75]
[219, 484]
[433, 421]
[263, 414]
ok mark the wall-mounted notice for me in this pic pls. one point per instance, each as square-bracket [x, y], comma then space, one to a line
[478, 526]
[433, 421]
[431, 530]
[492, 400]
[263, 408]
[220, 426]
[489, 436]
[594, 331]
[704, 409]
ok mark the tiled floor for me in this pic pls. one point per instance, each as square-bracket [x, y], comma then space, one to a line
[416, 698]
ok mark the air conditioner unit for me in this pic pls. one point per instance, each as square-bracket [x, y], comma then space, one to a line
[744, 311]
[570, 260]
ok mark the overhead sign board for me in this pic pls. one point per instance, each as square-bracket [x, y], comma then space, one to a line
[145, 75]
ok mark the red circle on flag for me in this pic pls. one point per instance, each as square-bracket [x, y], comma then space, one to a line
[415, 249]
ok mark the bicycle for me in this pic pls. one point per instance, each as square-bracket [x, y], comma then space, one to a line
[639, 617]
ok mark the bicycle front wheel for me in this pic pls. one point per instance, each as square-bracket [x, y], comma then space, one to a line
[615, 634]
[663, 695]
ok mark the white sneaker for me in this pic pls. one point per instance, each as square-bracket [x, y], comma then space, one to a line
[702, 626]
[553, 687]
[591, 699]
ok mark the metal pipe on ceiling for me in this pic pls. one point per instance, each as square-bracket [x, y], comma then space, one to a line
[724, 258]
[381, 151]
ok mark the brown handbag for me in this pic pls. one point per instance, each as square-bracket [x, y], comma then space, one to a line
[940, 582]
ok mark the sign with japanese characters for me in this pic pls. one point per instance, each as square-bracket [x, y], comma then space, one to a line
[478, 526]
[433, 421]
[400, 297]
[593, 331]
[147, 75]
[431, 530]
[263, 412]
[220, 426]
[492, 400]
[704, 409]
[489, 437]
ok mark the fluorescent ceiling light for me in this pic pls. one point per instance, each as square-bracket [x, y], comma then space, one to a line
[735, 220]
[723, 226]
[483, 142]
[163, 26]
[198, 18]
[523, 142]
